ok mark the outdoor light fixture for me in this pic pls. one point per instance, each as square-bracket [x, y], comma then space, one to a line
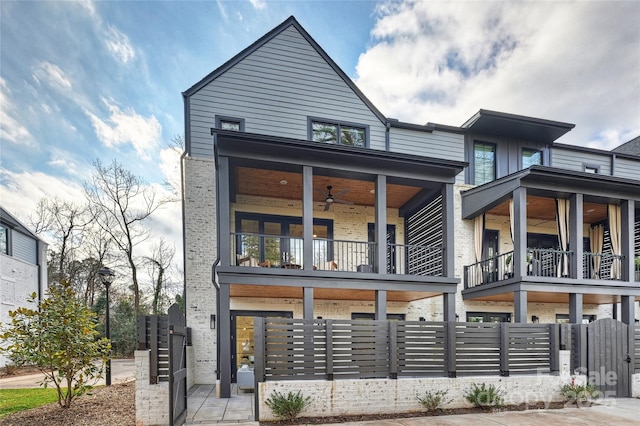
[212, 321]
[107, 276]
[535, 319]
[421, 319]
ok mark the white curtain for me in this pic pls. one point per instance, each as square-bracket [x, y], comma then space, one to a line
[616, 245]
[562, 218]
[596, 239]
[511, 219]
[478, 234]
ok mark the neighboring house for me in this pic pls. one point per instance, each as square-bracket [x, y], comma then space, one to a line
[23, 267]
[632, 147]
[301, 199]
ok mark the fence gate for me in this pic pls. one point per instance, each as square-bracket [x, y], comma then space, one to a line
[610, 351]
[177, 367]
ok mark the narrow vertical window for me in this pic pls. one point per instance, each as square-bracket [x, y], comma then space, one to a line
[531, 157]
[4, 242]
[484, 162]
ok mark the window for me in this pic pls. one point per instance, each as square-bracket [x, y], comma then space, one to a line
[4, 240]
[488, 317]
[337, 133]
[372, 316]
[531, 157]
[230, 123]
[564, 319]
[590, 168]
[484, 162]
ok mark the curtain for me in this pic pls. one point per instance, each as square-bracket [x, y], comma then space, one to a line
[596, 239]
[478, 234]
[562, 218]
[511, 219]
[616, 244]
[509, 266]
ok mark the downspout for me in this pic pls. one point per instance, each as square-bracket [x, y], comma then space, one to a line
[387, 136]
[217, 287]
[184, 231]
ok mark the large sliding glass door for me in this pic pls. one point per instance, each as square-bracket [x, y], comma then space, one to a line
[275, 241]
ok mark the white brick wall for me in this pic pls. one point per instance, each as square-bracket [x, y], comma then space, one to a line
[200, 253]
[152, 401]
[635, 386]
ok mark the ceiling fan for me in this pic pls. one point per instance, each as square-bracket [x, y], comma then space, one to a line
[331, 198]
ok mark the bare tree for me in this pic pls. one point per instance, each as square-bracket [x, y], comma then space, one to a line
[65, 223]
[158, 266]
[119, 202]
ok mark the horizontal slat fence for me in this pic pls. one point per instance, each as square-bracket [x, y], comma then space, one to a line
[637, 348]
[296, 349]
[153, 334]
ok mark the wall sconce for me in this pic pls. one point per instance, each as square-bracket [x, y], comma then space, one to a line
[421, 319]
[535, 319]
[457, 318]
[212, 321]
[319, 318]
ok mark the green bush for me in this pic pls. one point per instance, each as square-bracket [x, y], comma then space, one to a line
[287, 407]
[434, 400]
[580, 394]
[485, 397]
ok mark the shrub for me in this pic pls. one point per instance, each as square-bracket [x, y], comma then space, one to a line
[287, 407]
[485, 397]
[580, 394]
[434, 400]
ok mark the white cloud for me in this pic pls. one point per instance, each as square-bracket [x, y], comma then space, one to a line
[258, 4]
[222, 9]
[11, 130]
[123, 127]
[443, 61]
[21, 191]
[52, 75]
[119, 45]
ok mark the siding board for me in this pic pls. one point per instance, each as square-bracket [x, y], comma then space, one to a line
[24, 248]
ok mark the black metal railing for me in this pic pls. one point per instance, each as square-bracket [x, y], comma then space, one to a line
[603, 266]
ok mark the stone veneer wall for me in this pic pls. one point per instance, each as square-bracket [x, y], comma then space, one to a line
[378, 396]
[200, 253]
[152, 401]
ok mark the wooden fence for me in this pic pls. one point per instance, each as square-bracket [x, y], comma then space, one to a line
[295, 349]
[153, 334]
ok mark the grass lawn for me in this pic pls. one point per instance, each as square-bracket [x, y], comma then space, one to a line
[12, 400]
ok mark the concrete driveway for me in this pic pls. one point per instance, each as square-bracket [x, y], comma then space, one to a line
[122, 370]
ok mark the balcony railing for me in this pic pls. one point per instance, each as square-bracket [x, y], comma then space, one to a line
[274, 251]
[544, 263]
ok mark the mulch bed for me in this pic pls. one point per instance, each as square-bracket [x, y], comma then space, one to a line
[444, 412]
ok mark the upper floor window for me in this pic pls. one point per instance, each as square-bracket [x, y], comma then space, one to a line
[4, 240]
[338, 133]
[531, 157]
[230, 123]
[590, 168]
[484, 155]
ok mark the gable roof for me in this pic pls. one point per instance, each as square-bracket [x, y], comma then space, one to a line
[289, 22]
[632, 147]
[13, 223]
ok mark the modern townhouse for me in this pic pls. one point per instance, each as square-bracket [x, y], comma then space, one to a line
[302, 200]
[23, 267]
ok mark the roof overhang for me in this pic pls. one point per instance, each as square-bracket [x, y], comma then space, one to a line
[262, 148]
[513, 126]
[548, 182]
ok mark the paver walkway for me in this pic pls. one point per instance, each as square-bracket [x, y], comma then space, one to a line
[203, 408]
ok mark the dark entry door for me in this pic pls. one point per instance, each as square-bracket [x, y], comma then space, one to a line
[489, 252]
[608, 357]
[177, 366]
[391, 248]
[242, 348]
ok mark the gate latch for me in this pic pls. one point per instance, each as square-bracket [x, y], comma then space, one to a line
[628, 358]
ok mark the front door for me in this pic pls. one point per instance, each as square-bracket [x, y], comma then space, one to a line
[242, 350]
[489, 252]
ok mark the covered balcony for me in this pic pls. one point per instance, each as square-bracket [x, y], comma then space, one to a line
[553, 236]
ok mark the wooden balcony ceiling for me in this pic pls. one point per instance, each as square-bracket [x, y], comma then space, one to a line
[542, 208]
[275, 292]
[267, 183]
[548, 297]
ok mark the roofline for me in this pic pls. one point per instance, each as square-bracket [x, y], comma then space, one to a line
[429, 127]
[515, 117]
[595, 151]
[16, 224]
[291, 21]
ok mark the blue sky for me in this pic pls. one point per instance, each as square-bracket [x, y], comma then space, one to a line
[86, 80]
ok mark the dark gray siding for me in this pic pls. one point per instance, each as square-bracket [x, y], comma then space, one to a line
[23, 247]
[274, 90]
[449, 146]
[575, 160]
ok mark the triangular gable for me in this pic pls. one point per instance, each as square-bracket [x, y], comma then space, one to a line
[15, 224]
[291, 21]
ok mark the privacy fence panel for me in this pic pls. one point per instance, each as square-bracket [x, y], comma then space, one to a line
[637, 348]
[295, 349]
[153, 334]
